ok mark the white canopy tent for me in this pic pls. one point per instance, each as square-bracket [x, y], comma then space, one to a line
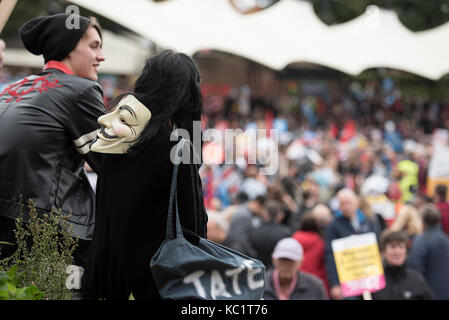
[284, 33]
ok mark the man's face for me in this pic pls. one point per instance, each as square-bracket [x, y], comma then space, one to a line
[395, 253]
[348, 205]
[313, 188]
[258, 209]
[121, 127]
[2, 47]
[286, 267]
[85, 59]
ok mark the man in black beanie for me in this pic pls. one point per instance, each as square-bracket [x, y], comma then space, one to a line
[47, 122]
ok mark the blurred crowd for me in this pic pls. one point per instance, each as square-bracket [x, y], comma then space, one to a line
[351, 162]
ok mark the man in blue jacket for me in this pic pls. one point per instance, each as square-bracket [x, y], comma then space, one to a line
[349, 220]
[429, 254]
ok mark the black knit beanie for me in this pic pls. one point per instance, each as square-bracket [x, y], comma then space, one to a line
[50, 36]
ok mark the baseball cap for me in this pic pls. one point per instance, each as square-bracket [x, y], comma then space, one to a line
[288, 248]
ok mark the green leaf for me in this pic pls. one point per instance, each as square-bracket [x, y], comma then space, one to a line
[28, 293]
[11, 288]
[12, 271]
[31, 290]
[33, 293]
[4, 295]
[20, 294]
[4, 276]
[7, 243]
[3, 286]
[131, 297]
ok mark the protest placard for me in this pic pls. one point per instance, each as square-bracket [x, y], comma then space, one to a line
[438, 169]
[359, 265]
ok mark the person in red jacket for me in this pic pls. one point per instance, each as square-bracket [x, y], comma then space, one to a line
[442, 205]
[308, 235]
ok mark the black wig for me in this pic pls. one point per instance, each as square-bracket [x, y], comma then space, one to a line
[169, 87]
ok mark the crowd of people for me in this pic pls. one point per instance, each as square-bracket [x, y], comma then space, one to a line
[346, 163]
[354, 162]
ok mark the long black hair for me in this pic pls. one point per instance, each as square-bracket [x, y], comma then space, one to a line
[169, 87]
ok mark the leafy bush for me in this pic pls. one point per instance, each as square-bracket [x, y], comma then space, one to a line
[9, 289]
[45, 248]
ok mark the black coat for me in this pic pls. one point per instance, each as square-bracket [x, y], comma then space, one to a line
[429, 256]
[403, 284]
[46, 124]
[265, 238]
[242, 223]
[132, 204]
[340, 228]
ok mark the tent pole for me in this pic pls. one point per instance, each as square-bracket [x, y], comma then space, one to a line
[6, 8]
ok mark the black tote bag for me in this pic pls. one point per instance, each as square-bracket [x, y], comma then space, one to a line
[207, 271]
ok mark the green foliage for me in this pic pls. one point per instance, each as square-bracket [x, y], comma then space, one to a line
[420, 15]
[332, 12]
[45, 248]
[9, 289]
[416, 15]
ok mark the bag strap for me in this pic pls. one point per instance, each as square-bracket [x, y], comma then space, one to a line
[201, 216]
[176, 232]
[198, 203]
[170, 233]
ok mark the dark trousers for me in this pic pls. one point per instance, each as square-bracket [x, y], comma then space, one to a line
[7, 227]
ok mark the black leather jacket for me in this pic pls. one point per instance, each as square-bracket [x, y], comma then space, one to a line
[47, 122]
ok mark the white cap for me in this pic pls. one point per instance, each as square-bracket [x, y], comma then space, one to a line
[288, 248]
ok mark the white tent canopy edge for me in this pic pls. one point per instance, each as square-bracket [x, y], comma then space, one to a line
[287, 32]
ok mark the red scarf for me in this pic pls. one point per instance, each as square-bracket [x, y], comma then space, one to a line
[53, 64]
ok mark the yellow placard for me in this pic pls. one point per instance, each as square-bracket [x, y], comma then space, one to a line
[433, 182]
[358, 263]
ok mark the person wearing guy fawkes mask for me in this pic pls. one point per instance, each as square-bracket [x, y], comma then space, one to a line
[134, 182]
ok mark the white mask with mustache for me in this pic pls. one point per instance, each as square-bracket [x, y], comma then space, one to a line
[121, 127]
